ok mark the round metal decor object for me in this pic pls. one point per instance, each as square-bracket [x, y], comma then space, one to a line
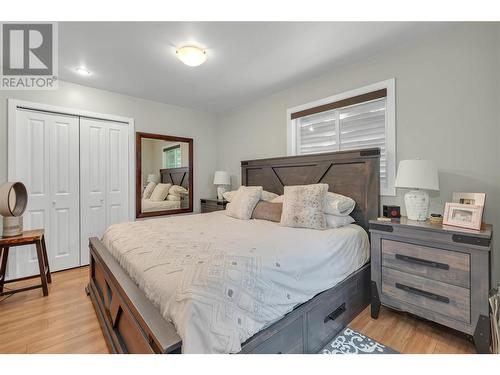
[13, 199]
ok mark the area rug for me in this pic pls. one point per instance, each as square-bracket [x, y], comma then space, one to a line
[351, 342]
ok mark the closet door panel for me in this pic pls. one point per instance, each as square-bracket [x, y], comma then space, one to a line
[118, 176]
[93, 182]
[65, 196]
[35, 164]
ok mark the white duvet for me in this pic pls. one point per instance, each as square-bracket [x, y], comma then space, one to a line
[220, 280]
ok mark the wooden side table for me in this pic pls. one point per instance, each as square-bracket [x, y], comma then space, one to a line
[29, 237]
[210, 205]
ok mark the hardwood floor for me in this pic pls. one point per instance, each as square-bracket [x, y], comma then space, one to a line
[62, 322]
[65, 322]
[411, 335]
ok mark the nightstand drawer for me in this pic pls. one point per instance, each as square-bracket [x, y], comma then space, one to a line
[450, 267]
[445, 299]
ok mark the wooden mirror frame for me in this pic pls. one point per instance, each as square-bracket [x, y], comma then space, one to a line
[138, 172]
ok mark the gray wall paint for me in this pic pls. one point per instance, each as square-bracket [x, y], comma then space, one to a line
[149, 116]
[447, 109]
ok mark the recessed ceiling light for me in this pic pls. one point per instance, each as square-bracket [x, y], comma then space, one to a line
[191, 56]
[82, 71]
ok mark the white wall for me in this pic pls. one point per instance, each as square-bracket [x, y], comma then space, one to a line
[447, 109]
[151, 117]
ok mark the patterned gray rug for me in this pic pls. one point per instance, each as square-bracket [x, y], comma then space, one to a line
[352, 342]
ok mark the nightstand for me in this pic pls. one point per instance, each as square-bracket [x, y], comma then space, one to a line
[210, 205]
[436, 272]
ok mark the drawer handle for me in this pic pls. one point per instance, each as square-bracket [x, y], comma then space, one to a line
[335, 314]
[423, 262]
[423, 293]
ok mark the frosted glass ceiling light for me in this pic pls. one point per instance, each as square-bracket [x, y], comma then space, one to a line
[191, 56]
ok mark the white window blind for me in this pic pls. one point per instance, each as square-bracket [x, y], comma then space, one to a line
[353, 127]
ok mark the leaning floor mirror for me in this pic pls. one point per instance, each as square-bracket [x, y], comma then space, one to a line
[164, 175]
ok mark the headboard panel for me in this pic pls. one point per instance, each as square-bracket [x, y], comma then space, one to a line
[175, 176]
[353, 173]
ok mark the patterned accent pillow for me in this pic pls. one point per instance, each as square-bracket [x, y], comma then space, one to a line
[244, 201]
[148, 190]
[303, 206]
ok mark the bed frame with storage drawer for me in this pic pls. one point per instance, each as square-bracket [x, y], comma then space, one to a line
[132, 324]
[436, 272]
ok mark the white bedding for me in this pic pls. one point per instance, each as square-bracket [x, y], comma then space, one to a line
[147, 205]
[220, 280]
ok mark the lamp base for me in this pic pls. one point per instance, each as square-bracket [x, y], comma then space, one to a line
[12, 226]
[221, 189]
[417, 205]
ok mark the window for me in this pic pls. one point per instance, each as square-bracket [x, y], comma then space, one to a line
[362, 118]
[172, 157]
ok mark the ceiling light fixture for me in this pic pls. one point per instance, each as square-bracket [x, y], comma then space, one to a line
[82, 71]
[191, 56]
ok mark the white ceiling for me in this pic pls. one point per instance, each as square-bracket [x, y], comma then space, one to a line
[246, 60]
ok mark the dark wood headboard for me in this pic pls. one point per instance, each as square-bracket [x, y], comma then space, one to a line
[352, 173]
[175, 176]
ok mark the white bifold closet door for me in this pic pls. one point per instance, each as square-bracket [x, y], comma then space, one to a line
[47, 162]
[104, 178]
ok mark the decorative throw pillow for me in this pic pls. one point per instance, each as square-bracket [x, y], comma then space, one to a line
[267, 211]
[334, 221]
[160, 192]
[303, 206]
[244, 202]
[268, 196]
[339, 205]
[171, 197]
[148, 190]
[229, 195]
[178, 190]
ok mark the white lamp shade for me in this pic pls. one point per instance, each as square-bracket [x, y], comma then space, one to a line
[417, 174]
[221, 178]
[153, 178]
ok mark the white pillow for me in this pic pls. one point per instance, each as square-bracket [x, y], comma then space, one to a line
[268, 196]
[177, 190]
[148, 190]
[160, 192]
[339, 205]
[171, 197]
[244, 201]
[334, 221]
[303, 206]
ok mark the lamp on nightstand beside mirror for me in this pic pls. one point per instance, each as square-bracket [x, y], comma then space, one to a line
[221, 179]
[153, 178]
[420, 176]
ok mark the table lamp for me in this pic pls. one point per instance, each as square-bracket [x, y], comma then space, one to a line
[153, 178]
[418, 175]
[13, 202]
[221, 179]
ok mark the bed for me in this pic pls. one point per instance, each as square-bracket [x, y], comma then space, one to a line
[303, 302]
[147, 205]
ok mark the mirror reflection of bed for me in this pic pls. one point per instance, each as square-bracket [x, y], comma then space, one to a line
[164, 174]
